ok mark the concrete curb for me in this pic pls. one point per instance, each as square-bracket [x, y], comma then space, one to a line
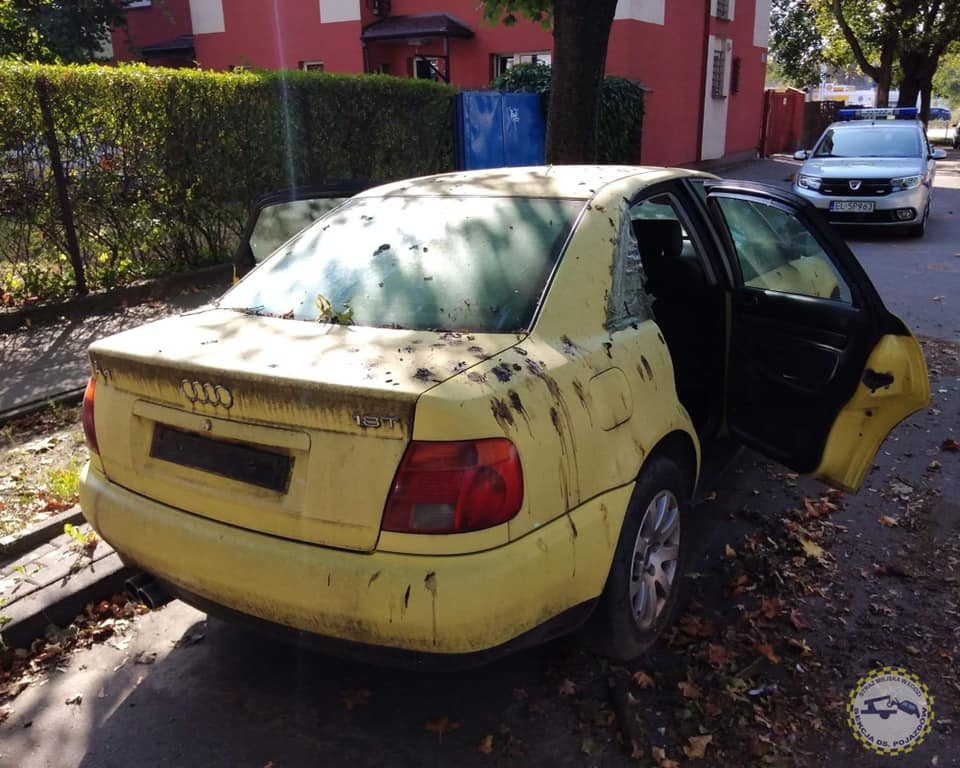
[148, 290]
[61, 602]
[30, 538]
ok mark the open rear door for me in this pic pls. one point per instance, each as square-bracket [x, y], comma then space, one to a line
[277, 216]
[819, 371]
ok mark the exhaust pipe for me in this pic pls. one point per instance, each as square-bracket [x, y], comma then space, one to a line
[148, 590]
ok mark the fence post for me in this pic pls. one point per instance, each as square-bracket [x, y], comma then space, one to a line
[60, 181]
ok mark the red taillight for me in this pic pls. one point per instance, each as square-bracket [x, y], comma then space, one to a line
[455, 487]
[86, 416]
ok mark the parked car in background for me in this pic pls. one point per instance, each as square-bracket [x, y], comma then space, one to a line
[956, 136]
[874, 167]
[465, 413]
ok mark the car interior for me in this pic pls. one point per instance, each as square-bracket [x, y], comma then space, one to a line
[687, 308]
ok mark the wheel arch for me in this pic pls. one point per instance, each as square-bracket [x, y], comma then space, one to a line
[682, 448]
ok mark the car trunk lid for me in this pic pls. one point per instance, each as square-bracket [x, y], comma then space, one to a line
[289, 428]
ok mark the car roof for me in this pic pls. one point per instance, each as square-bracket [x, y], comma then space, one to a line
[562, 181]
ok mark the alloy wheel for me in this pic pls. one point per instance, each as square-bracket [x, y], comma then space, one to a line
[655, 561]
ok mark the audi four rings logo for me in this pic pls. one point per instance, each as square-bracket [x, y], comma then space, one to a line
[205, 393]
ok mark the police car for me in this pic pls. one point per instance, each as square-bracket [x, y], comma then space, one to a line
[874, 167]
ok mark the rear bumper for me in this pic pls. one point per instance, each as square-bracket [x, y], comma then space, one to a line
[455, 604]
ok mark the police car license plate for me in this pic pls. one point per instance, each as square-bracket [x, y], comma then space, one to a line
[851, 206]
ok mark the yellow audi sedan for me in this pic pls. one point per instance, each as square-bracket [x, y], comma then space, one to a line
[460, 414]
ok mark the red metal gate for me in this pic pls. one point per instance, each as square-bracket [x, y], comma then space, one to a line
[782, 121]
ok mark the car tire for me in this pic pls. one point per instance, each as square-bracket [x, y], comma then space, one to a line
[643, 588]
[918, 230]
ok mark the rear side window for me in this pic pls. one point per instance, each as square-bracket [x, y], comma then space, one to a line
[421, 263]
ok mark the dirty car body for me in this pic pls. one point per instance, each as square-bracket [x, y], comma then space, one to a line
[465, 413]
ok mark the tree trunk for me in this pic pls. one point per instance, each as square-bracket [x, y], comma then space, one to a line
[884, 75]
[581, 30]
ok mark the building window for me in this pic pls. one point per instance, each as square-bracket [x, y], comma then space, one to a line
[735, 75]
[723, 9]
[430, 68]
[503, 62]
[311, 66]
[717, 89]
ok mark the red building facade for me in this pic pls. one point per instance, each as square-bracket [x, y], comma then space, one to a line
[702, 61]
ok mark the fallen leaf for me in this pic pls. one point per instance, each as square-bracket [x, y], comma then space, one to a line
[442, 726]
[765, 649]
[800, 644]
[485, 747]
[688, 690]
[797, 621]
[520, 694]
[712, 496]
[145, 657]
[913, 650]
[567, 687]
[76, 699]
[888, 522]
[770, 608]
[643, 680]
[729, 552]
[351, 698]
[811, 548]
[588, 746]
[950, 445]
[697, 745]
[717, 654]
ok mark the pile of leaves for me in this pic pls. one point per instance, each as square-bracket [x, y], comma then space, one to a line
[105, 621]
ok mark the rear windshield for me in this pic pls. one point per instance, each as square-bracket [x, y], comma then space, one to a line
[420, 263]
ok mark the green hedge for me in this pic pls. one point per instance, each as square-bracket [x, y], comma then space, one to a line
[620, 121]
[162, 165]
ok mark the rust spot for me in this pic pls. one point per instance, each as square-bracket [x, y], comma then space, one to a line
[660, 337]
[607, 346]
[457, 367]
[521, 351]
[646, 366]
[475, 349]
[329, 579]
[477, 378]
[373, 579]
[573, 526]
[501, 412]
[406, 598]
[430, 582]
[555, 418]
[643, 375]
[516, 403]
[425, 374]
[502, 372]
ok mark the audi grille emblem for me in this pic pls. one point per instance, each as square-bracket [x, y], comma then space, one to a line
[855, 184]
[205, 393]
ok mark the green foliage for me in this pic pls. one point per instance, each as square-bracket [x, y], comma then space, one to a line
[163, 165]
[947, 80]
[621, 108]
[505, 11]
[64, 483]
[57, 31]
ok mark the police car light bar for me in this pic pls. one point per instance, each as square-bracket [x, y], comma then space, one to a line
[871, 113]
